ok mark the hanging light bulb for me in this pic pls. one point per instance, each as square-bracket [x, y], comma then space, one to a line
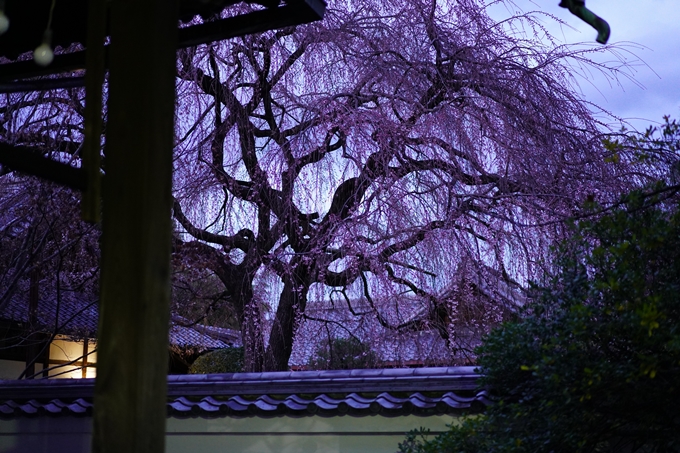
[4, 20]
[43, 54]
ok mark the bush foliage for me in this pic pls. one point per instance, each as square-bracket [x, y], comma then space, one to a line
[227, 360]
[594, 363]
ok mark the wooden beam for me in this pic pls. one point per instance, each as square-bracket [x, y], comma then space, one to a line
[293, 13]
[24, 69]
[76, 363]
[31, 161]
[84, 362]
[28, 86]
[32, 347]
[94, 78]
[132, 359]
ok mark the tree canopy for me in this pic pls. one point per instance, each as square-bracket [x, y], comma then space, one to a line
[376, 153]
[370, 156]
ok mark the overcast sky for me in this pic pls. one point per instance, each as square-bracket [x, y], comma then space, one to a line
[651, 29]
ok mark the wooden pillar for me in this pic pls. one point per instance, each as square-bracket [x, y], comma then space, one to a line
[83, 371]
[33, 343]
[130, 389]
[94, 78]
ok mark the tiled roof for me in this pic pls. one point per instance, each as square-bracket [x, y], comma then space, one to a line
[11, 408]
[351, 404]
[77, 316]
[325, 322]
[387, 392]
[326, 319]
[205, 337]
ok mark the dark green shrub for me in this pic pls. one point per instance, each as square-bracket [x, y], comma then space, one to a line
[227, 360]
[594, 364]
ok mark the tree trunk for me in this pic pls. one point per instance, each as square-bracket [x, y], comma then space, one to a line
[291, 303]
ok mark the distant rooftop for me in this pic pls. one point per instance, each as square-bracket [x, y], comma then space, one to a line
[76, 315]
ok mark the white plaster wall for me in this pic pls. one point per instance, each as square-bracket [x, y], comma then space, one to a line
[344, 434]
[45, 434]
[11, 369]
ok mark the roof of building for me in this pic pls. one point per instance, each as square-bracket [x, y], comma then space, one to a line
[76, 315]
[408, 331]
[71, 314]
[185, 333]
[325, 322]
[389, 392]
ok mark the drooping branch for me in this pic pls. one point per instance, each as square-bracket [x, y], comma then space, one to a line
[242, 240]
[410, 241]
[321, 151]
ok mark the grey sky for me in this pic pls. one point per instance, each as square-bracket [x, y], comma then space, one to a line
[649, 28]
